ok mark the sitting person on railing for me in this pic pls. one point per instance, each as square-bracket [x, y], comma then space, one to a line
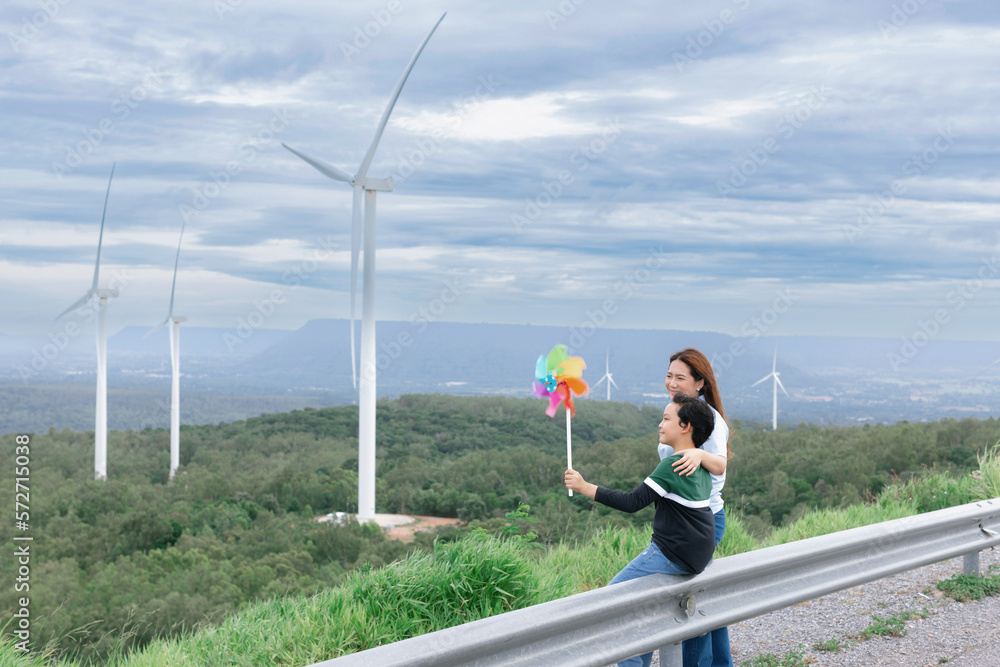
[684, 525]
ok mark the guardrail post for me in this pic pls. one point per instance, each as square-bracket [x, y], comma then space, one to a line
[671, 656]
[970, 564]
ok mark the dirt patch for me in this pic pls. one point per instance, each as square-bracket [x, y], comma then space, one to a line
[407, 532]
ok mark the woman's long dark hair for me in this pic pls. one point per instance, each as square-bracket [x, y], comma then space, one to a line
[701, 369]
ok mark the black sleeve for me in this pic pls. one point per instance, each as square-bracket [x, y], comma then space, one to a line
[640, 497]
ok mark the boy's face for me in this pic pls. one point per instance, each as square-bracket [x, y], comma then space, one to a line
[670, 426]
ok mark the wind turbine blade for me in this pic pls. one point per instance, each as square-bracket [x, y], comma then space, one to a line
[173, 285]
[363, 169]
[84, 299]
[596, 384]
[987, 368]
[355, 252]
[100, 239]
[156, 328]
[778, 380]
[762, 379]
[612, 382]
[774, 364]
[336, 173]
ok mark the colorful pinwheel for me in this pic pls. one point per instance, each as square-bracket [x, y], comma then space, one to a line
[557, 378]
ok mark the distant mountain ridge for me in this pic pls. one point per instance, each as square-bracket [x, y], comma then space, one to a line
[830, 379]
[455, 345]
[504, 354]
[487, 357]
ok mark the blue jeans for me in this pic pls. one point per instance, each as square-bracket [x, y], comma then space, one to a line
[711, 649]
[650, 561]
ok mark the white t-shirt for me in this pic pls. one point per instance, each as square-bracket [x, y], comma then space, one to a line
[716, 444]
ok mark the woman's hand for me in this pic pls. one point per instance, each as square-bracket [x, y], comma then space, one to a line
[690, 460]
[575, 482]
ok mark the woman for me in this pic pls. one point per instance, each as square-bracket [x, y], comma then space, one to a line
[691, 373]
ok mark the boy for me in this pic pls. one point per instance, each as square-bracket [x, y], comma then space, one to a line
[683, 526]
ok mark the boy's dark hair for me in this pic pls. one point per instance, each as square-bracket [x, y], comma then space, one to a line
[695, 412]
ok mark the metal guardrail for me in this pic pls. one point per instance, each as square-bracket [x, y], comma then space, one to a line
[601, 627]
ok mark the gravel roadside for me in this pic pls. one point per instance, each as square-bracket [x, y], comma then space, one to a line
[956, 633]
[950, 629]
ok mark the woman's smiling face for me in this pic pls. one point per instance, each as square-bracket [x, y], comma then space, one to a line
[680, 379]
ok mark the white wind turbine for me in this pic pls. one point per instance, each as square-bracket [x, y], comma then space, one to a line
[101, 411]
[777, 383]
[175, 367]
[607, 376]
[361, 183]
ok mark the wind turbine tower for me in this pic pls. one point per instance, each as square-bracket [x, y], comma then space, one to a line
[175, 367]
[607, 375]
[101, 411]
[777, 383]
[365, 187]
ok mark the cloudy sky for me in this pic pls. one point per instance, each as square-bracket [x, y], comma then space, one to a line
[795, 167]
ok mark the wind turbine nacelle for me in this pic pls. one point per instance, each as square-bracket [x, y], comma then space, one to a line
[106, 293]
[377, 184]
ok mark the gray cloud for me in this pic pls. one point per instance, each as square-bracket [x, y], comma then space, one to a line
[807, 113]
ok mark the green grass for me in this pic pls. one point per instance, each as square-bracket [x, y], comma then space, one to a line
[832, 645]
[892, 626]
[790, 659]
[933, 490]
[737, 539]
[476, 577]
[566, 570]
[823, 522]
[987, 478]
[13, 657]
[964, 587]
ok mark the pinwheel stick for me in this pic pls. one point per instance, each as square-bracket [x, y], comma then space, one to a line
[569, 447]
[557, 378]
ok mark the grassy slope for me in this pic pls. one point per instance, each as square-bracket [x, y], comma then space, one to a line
[298, 631]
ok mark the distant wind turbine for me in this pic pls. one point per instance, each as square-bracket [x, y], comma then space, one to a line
[361, 183]
[777, 383]
[607, 375]
[175, 367]
[101, 411]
